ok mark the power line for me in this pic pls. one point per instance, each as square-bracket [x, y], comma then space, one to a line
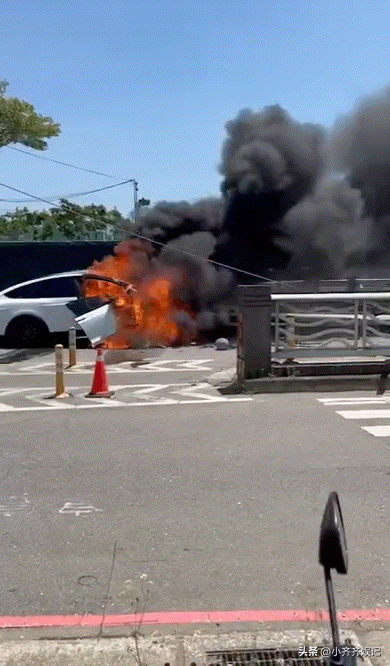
[73, 166]
[67, 196]
[150, 240]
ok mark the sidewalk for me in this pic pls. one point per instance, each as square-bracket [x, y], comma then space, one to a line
[197, 648]
[308, 374]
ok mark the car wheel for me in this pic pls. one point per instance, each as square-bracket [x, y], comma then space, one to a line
[27, 332]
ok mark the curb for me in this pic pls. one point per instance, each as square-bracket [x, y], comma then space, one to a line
[171, 650]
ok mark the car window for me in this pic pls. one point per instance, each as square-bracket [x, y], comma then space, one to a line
[63, 287]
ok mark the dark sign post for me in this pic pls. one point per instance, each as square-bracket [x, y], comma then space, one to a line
[254, 332]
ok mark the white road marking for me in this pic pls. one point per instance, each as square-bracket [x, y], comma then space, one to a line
[87, 368]
[48, 402]
[354, 401]
[144, 394]
[232, 399]
[78, 508]
[194, 392]
[378, 431]
[14, 504]
[365, 414]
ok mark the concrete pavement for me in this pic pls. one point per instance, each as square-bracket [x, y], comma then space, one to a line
[212, 505]
[216, 506]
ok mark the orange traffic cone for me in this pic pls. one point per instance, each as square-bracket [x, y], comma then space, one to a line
[99, 384]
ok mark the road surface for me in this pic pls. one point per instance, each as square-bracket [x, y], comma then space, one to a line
[182, 498]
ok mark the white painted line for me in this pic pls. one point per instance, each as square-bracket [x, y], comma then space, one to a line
[204, 402]
[6, 408]
[365, 414]
[241, 399]
[349, 403]
[14, 504]
[78, 508]
[378, 431]
[99, 404]
[50, 403]
[163, 401]
[353, 401]
[116, 387]
[109, 402]
[154, 366]
[142, 393]
[194, 392]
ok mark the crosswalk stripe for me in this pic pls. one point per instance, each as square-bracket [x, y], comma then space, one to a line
[330, 402]
[354, 414]
[365, 414]
[378, 431]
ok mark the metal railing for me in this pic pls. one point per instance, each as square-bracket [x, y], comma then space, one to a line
[331, 324]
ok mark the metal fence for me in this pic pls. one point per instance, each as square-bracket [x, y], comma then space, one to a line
[331, 324]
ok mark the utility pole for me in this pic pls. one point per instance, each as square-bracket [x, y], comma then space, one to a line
[135, 202]
[138, 204]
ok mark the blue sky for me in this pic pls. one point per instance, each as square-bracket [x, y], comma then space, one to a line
[142, 89]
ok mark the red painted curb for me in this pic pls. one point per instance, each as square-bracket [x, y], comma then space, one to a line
[191, 617]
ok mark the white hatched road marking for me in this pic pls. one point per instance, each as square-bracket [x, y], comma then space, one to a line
[48, 368]
[193, 392]
[363, 414]
[145, 395]
[14, 504]
[78, 508]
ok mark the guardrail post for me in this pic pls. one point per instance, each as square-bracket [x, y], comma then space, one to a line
[72, 346]
[277, 326]
[254, 332]
[364, 325]
[290, 331]
[356, 324]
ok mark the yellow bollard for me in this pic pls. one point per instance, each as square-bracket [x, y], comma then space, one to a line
[60, 385]
[72, 347]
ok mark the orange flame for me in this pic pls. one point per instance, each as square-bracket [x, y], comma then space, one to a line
[146, 316]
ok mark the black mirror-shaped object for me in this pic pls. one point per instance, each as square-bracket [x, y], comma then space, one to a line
[333, 552]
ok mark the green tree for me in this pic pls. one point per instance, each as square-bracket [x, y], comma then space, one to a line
[19, 123]
[68, 220]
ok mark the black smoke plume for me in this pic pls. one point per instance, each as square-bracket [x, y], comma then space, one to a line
[296, 202]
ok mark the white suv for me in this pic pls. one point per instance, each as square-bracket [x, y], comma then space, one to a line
[31, 311]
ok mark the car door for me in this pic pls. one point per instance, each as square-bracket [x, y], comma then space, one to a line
[47, 299]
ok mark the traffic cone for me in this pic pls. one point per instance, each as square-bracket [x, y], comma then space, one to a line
[99, 384]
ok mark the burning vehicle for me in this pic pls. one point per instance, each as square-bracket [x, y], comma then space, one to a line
[297, 202]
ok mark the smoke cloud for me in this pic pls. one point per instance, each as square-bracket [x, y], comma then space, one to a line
[268, 151]
[296, 201]
[360, 146]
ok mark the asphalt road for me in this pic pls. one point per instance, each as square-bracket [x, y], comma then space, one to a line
[212, 504]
